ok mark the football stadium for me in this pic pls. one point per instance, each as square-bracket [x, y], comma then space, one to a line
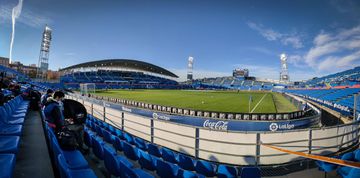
[85, 114]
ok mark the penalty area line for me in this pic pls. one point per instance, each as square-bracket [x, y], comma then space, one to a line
[258, 103]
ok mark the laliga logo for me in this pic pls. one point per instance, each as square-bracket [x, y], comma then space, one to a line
[156, 116]
[273, 127]
[219, 125]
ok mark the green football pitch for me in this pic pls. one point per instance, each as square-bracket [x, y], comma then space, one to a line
[216, 101]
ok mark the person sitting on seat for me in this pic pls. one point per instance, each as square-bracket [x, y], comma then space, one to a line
[53, 111]
[45, 96]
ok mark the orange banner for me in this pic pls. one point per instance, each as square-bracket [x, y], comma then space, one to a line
[316, 157]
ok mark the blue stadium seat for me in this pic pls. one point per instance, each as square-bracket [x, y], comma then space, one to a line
[188, 174]
[352, 173]
[205, 168]
[349, 157]
[97, 147]
[108, 137]
[141, 144]
[168, 155]
[154, 150]
[7, 164]
[130, 151]
[130, 172]
[99, 130]
[186, 162]
[250, 172]
[87, 137]
[226, 171]
[147, 161]
[66, 172]
[129, 138]
[9, 119]
[165, 169]
[9, 144]
[120, 134]
[325, 166]
[111, 161]
[74, 159]
[118, 145]
[10, 130]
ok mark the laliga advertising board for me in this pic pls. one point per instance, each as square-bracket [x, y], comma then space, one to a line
[219, 124]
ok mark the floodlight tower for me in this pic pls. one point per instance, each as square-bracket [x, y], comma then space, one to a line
[43, 64]
[190, 69]
[284, 76]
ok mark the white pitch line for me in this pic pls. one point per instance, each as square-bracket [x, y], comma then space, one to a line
[258, 103]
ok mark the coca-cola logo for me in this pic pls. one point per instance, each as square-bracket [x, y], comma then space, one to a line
[216, 125]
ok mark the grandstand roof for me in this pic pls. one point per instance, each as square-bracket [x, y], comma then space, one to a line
[126, 63]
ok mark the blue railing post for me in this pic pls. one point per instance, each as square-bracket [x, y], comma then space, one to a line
[310, 141]
[197, 142]
[104, 111]
[152, 130]
[122, 121]
[257, 151]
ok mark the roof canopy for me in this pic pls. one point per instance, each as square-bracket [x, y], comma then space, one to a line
[123, 63]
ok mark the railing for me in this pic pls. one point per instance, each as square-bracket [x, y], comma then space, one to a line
[231, 147]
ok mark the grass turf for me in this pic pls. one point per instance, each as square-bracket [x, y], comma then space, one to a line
[217, 101]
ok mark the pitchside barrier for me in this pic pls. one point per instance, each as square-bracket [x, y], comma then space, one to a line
[302, 109]
[215, 141]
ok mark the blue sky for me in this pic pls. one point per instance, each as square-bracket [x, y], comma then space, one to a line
[320, 37]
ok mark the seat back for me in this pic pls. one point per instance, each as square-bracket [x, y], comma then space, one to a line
[129, 138]
[226, 171]
[110, 161]
[206, 168]
[108, 137]
[250, 172]
[97, 145]
[126, 171]
[186, 174]
[130, 151]
[140, 143]
[169, 155]
[154, 150]
[146, 161]
[165, 169]
[118, 144]
[186, 162]
[63, 166]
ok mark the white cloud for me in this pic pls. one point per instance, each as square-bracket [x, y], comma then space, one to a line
[27, 17]
[286, 39]
[334, 52]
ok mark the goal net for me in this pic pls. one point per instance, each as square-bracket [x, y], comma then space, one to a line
[87, 88]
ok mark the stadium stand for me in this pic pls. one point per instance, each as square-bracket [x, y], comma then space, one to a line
[233, 83]
[346, 78]
[341, 96]
[119, 74]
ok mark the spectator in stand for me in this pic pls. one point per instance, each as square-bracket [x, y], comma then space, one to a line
[45, 96]
[27, 92]
[53, 112]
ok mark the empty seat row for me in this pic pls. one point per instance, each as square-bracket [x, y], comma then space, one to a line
[164, 161]
[12, 116]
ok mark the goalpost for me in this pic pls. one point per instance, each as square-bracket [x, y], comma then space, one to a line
[87, 88]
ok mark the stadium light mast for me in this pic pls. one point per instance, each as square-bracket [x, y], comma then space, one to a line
[284, 76]
[190, 69]
[43, 64]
